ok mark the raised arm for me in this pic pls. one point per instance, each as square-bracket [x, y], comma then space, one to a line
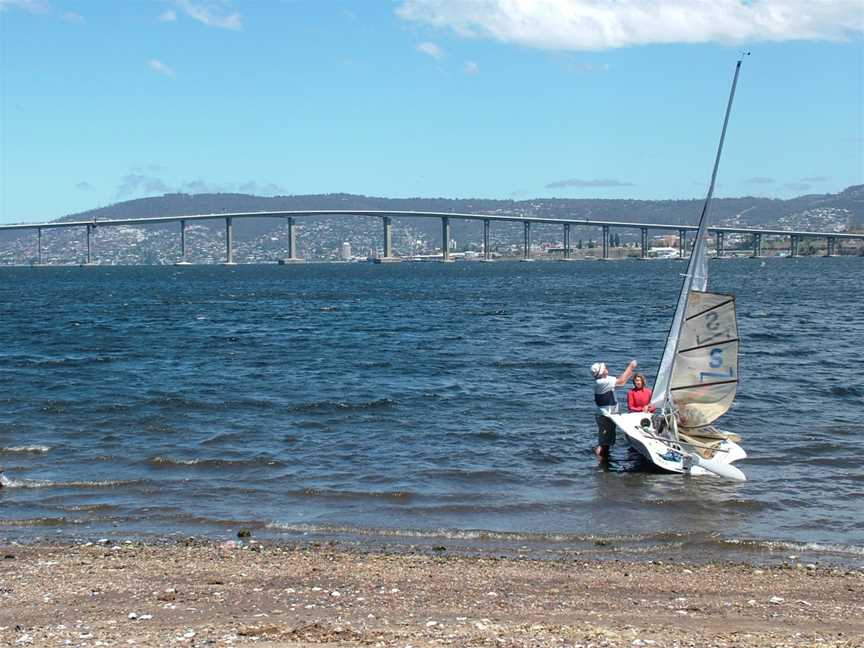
[628, 372]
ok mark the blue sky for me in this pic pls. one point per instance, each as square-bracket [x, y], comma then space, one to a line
[106, 101]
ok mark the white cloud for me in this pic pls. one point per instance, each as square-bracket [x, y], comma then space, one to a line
[141, 184]
[136, 183]
[212, 13]
[431, 49]
[168, 16]
[30, 6]
[471, 68]
[581, 184]
[607, 24]
[158, 66]
[41, 7]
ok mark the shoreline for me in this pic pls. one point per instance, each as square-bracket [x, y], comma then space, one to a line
[679, 547]
[203, 592]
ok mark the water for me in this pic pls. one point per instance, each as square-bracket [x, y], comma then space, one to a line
[418, 404]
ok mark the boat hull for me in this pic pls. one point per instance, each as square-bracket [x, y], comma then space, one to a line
[667, 455]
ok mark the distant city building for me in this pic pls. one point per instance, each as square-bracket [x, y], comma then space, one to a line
[345, 253]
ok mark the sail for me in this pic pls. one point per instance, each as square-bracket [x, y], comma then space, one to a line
[695, 281]
[705, 372]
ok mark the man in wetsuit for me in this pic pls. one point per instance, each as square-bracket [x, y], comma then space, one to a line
[604, 400]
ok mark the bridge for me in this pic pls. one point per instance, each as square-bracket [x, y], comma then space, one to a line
[833, 239]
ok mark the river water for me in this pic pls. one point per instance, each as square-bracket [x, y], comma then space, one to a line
[419, 405]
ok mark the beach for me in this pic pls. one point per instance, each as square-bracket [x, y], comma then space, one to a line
[206, 592]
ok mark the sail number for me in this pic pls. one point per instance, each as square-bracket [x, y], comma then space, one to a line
[715, 361]
[714, 331]
[716, 358]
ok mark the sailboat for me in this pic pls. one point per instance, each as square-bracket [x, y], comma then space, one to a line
[698, 374]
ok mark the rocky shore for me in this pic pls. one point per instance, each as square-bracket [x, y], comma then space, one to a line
[233, 593]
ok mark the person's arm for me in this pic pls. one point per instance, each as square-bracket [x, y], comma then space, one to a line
[631, 401]
[649, 407]
[624, 377]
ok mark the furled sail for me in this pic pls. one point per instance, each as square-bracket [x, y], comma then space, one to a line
[705, 372]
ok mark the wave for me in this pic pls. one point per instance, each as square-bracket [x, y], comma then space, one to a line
[42, 521]
[35, 449]
[693, 544]
[169, 462]
[498, 312]
[489, 476]
[847, 390]
[431, 534]
[533, 364]
[800, 547]
[324, 493]
[9, 482]
[338, 406]
[437, 533]
[24, 362]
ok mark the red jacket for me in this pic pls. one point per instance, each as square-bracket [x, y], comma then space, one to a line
[637, 399]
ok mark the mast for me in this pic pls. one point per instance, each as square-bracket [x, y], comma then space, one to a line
[696, 277]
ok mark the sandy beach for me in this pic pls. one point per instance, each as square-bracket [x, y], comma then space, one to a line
[199, 593]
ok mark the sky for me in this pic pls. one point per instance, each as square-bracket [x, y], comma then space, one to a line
[105, 101]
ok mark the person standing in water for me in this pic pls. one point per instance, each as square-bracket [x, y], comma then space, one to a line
[604, 400]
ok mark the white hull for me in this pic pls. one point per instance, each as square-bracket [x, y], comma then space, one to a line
[672, 456]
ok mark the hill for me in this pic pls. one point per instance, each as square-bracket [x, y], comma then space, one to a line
[321, 237]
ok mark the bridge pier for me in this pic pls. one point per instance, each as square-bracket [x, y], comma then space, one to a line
[757, 245]
[89, 260]
[388, 242]
[292, 243]
[794, 242]
[229, 241]
[39, 246]
[720, 244]
[830, 250]
[526, 241]
[445, 239]
[682, 243]
[644, 251]
[388, 237]
[605, 242]
[487, 253]
[182, 260]
[567, 241]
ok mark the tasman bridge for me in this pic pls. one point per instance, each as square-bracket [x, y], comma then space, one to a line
[833, 239]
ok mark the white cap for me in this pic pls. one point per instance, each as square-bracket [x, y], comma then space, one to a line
[597, 369]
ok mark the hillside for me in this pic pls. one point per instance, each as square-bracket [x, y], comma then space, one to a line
[321, 237]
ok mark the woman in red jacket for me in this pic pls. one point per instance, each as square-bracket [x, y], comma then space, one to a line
[639, 398]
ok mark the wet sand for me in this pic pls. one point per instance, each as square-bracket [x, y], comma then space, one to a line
[222, 594]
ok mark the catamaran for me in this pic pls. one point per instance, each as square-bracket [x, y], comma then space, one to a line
[698, 374]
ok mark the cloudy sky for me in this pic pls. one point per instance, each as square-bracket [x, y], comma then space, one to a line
[107, 101]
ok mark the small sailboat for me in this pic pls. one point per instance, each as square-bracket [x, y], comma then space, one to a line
[698, 374]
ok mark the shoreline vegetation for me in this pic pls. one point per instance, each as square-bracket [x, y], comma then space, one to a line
[206, 592]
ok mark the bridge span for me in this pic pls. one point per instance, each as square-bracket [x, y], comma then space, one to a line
[833, 239]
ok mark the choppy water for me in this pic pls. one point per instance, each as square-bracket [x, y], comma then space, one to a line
[418, 403]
